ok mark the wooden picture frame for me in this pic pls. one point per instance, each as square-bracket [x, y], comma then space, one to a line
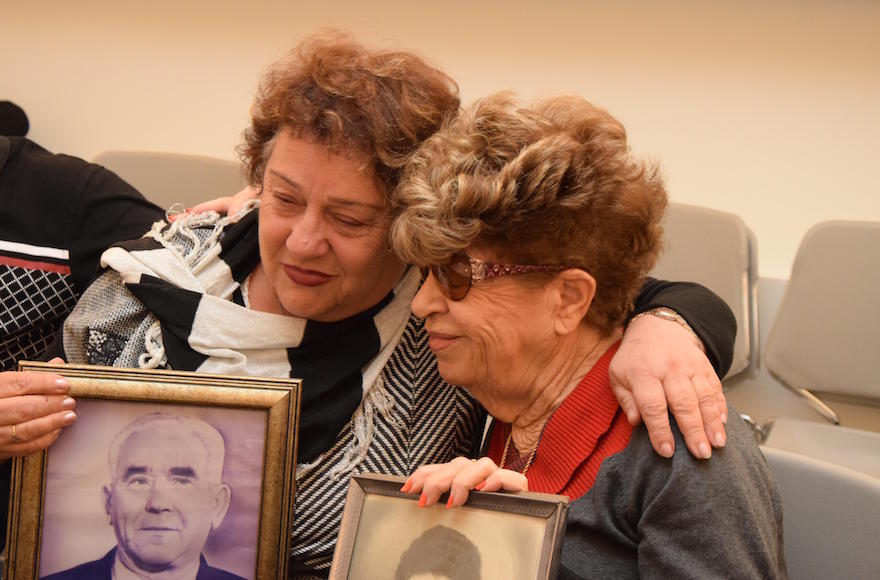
[494, 535]
[59, 511]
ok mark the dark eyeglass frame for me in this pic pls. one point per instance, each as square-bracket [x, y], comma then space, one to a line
[455, 283]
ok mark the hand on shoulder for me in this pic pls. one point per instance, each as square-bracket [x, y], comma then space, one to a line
[661, 367]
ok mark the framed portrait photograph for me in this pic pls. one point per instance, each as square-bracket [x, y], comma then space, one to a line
[163, 471]
[385, 534]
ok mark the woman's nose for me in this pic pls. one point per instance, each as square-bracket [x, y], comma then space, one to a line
[429, 299]
[307, 235]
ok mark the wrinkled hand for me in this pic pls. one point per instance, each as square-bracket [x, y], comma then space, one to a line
[227, 205]
[38, 406]
[659, 361]
[459, 477]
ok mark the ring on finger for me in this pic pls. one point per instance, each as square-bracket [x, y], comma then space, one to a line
[15, 438]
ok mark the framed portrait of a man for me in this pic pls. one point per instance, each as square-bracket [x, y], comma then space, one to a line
[385, 534]
[164, 474]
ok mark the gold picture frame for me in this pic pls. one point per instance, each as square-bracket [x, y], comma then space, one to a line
[258, 419]
[384, 534]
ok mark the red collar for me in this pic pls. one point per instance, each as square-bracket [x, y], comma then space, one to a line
[572, 434]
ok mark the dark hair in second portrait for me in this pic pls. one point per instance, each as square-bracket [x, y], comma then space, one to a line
[378, 103]
[440, 551]
[552, 184]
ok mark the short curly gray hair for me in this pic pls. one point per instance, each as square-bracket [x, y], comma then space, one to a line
[553, 184]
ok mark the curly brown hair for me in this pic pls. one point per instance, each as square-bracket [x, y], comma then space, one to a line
[377, 103]
[554, 184]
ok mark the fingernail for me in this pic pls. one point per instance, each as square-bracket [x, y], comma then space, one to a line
[62, 383]
[724, 418]
[69, 418]
[666, 450]
[449, 502]
[68, 403]
[423, 499]
[719, 439]
[480, 485]
[406, 486]
[704, 450]
[632, 417]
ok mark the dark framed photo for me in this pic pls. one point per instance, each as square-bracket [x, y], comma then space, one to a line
[162, 471]
[384, 534]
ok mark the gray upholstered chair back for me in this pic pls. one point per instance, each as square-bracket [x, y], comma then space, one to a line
[826, 334]
[718, 250]
[830, 517]
[824, 344]
[169, 178]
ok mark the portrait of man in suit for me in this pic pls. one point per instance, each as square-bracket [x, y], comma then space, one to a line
[164, 499]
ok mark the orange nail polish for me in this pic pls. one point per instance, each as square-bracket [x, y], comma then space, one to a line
[406, 486]
[480, 485]
[423, 499]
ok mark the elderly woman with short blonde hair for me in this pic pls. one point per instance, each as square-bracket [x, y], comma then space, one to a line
[535, 228]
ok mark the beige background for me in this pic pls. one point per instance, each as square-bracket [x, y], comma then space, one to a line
[767, 109]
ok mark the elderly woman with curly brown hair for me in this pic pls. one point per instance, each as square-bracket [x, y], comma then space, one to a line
[535, 229]
[308, 286]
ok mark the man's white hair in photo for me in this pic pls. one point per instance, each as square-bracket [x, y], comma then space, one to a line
[161, 424]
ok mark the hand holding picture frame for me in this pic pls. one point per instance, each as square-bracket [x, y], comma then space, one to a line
[176, 462]
[385, 534]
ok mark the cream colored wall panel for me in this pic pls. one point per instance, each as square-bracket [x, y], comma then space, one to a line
[768, 110]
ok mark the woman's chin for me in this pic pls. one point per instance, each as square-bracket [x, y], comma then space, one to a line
[453, 373]
[310, 303]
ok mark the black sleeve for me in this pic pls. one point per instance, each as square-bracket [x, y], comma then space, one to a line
[709, 316]
[108, 210]
[60, 201]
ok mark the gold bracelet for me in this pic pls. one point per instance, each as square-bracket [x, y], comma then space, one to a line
[666, 314]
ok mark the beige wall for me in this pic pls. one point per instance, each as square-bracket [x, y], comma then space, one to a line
[767, 109]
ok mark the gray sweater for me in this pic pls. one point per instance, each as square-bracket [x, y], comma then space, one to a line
[650, 517]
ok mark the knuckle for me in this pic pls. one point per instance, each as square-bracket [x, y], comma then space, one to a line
[458, 486]
[17, 383]
[27, 408]
[486, 463]
[614, 366]
[692, 429]
[429, 487]
[686, 406]
[433, 486]
[660, 432]
[708, 400]
[708, 384]
[653, 409]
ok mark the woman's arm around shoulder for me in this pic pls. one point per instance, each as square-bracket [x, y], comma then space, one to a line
[675, 348]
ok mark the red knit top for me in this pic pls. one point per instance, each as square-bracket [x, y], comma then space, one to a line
[586, 428]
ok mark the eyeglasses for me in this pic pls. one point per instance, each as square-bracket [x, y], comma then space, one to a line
[458, 275]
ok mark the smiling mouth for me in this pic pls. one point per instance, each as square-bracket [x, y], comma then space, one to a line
[305, 277]
[438, 341]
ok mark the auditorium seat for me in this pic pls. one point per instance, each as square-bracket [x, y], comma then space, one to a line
[830, 517]
[825, 342]
[168, 178]
[718, 250]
